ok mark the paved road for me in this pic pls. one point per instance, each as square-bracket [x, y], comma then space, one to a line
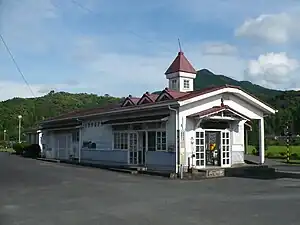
[34, 192]
[277, 164]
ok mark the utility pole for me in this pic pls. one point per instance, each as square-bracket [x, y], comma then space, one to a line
[20, 119]
[287, 143]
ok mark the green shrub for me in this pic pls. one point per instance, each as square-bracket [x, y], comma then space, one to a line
[282, 154]
[32, 151]
[296, 142]
[4, 144]
[257, 149]
[254, 151]
[19, 148]
[269, 154]
[294, 156]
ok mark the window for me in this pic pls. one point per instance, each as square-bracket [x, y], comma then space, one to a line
[75, 136]
[121, 140]
[186, 84]
[174, 84]
[161, 141]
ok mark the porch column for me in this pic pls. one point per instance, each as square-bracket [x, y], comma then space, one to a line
[262, 141]
[79, 144]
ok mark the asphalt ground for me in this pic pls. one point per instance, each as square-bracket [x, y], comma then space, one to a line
[34, 192]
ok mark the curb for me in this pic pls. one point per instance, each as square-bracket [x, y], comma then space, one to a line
[286, 174]
[49, 160]
[116, 169]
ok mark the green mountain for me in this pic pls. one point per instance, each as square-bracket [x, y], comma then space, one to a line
[206, 78]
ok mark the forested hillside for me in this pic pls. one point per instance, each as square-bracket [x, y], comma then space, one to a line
[34, 110]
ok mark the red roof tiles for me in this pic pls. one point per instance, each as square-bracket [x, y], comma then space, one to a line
[181, 64]
[149, 97]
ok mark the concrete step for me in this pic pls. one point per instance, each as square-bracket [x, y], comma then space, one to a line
[259, 172]
[196, 174]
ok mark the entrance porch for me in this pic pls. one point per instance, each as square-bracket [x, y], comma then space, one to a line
[216, 138]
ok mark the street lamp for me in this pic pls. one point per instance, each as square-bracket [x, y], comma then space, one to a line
[4, 135]
[20, 119]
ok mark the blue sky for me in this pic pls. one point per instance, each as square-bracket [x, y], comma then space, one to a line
[124, 47]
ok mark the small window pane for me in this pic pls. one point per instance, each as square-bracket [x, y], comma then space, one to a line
[202, 134]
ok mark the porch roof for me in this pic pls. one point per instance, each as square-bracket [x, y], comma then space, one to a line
[154, 118]
[217, 109]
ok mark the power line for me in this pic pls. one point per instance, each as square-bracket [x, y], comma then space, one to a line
[130, 31]
[81, 6]
[16, 64]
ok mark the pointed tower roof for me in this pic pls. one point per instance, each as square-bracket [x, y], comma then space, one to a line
[181, 64]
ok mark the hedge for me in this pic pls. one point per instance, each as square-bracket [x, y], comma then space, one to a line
[27, 150]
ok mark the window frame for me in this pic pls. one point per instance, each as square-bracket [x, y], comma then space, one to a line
[160, 145]
[120, 136]
[186, 84]
[174, 84]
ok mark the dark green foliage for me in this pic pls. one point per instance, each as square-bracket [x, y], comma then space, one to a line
[282, 154]
[4, 144]
[32, 151]
[19, 148]
[269, 155]
[255, 151]
[34, 110]
[295, 156]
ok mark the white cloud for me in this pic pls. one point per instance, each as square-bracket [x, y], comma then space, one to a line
[137, 73]
[275, 28]
[218, 48]
[26, 24]
[9, 89]
[272, 70]
[107, 62]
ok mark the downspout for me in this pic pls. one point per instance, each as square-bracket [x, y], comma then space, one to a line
[79, 141]
[176, 137]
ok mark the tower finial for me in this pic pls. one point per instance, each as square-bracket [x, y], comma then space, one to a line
[179, 44]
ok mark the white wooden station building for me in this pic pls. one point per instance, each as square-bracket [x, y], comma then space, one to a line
[180, 126]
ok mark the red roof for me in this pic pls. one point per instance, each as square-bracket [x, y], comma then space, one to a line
[150, 97]
[181, 64]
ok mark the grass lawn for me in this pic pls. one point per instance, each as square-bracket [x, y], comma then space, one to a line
[277, 149]
[279, 152]
[10, 150]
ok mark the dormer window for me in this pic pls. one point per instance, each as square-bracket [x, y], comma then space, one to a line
[186, 84]
[174, 84]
